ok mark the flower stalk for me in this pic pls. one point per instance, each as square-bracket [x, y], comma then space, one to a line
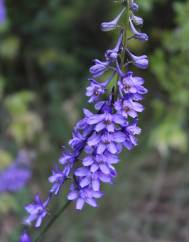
[51, 222]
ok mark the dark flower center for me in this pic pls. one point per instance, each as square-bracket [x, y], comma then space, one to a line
[106, 142]
[40, 210]
[126, 109]
[96, 93]
[127, 87]
[107, 122]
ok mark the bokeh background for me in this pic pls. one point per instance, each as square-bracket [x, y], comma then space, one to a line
[46, 48]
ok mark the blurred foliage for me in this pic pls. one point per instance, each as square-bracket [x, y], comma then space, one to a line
[24, 124]
[6, 159]
[46, 48]
[9, 201]
[170, 67]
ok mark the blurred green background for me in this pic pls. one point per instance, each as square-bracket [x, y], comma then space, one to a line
[46, 48]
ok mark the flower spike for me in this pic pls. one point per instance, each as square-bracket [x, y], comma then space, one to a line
[100, 136]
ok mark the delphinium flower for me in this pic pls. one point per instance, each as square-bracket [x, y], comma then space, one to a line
[37, 211]
[100, 136]
[2, 11]
[16, 176]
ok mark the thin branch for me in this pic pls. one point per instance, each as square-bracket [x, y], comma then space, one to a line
[51, 222]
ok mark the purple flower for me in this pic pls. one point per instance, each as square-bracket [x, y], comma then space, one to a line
[82, 125]
[112, 55]
[137, 20]
[134, 6]
[108, 26]
[57, 178]
[137, 35]
[67, 159]
[99, 68]
[25, 237]
[105, 121]
[94, 91]
[128, 108]
[84, 195]
[110, 142]
[132, 85]
[77, 140]
[131, 131]
[17, 175]
[14, 178]
[37, 211]
[2, 11]
[96, 162]
[99, 169]
[94, 175]
[139, 61]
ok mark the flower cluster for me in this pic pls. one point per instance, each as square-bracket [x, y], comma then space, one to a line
[101, 135]
[16, 176]
[114, 125]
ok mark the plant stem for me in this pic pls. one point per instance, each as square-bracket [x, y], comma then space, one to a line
[125, 34]
[51, 222]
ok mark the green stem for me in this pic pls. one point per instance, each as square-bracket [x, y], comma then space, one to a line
[51, 222]
[125, 36]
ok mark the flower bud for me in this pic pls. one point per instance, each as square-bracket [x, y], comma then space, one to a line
[139, 61]
[134, 7]
[137, 20]
[108, 26]
[137, 35]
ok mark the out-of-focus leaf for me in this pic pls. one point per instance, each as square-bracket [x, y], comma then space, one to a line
[17, 104]
[9, 47]
[7, 203]
[169, 134]
[158, 66]
[5, 159]
[25, 127]
[2, 84]
[48, 57]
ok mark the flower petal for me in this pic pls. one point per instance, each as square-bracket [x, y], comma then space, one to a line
[80, 203]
